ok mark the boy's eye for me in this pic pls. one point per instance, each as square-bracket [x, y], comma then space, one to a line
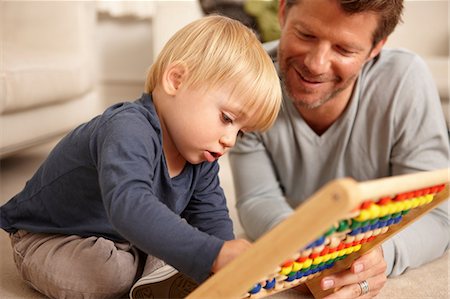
[226, 118]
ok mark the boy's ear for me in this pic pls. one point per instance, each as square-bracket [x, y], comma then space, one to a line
[173, 77]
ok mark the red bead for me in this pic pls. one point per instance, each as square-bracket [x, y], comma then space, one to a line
[325, 251]
[365, 205]
[302, 259]
[384, 200]
[400, 197]
[313, 255]
[418, 193]
[287, 263]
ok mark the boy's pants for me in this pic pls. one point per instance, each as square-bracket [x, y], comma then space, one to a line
[69, 266]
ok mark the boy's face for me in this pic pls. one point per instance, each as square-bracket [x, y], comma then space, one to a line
[202, 125]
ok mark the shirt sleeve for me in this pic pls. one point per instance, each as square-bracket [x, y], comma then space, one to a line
[125, 147]
[421, 143]
[260, 200]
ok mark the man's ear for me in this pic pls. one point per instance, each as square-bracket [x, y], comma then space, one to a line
[173, 77]
[377, 49]
[282, 12]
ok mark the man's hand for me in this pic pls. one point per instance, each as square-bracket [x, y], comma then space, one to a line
[370, 267]
[230, 250]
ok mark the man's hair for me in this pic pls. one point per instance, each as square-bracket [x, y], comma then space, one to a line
[389, 13]
[219, 52]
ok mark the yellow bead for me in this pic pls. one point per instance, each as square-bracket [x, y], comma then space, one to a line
[307, 263]
[286, 270]
[429, 198]
[391, 208]
[363, 216]
[408, 205]
[415, 203]
[384, 210]
[398, 207]
[297, 266]
[374, 211]
[318, 260]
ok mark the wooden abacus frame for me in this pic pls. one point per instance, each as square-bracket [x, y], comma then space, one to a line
[340, 196]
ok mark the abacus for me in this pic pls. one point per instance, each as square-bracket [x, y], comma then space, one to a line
[316, 241]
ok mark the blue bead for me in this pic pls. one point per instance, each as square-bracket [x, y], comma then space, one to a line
[320, 241]
[355, 232]
[365, 229]
[291, 277]
[397, 219]
[255, 289]
[270, 284]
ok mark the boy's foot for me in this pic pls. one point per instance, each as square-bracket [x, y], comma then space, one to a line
[165, 282]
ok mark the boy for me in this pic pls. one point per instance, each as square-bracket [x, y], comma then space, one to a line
[141, 180]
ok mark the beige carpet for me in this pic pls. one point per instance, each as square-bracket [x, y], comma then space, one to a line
[430, 281]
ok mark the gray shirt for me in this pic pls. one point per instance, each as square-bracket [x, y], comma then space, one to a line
[109, 178]
[393, 125]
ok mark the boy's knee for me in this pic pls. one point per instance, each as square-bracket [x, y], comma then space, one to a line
[74, 267]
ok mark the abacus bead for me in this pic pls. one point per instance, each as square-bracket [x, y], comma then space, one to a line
[270, 284]
[255, 289]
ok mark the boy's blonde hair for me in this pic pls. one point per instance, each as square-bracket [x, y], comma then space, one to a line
[221, 52]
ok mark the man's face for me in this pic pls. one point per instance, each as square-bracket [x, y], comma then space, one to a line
[322, 49]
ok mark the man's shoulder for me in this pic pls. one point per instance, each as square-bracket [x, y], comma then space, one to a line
[272, 49]
[394, 60]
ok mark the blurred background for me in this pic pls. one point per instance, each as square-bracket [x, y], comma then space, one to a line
[63, 62]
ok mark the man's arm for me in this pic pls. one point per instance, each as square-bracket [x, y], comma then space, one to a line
[260, 201]
[421, 143]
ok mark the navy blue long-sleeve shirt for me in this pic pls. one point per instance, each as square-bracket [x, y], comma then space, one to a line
[109, 178]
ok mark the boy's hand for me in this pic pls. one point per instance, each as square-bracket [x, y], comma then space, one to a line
[229, 251]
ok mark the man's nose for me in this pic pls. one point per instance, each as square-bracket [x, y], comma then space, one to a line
[318, 59]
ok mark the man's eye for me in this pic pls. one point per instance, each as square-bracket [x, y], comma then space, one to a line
[345, 52]
[305, 36]
[226, 118]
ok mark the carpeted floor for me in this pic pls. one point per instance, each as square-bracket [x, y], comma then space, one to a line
[430, 281]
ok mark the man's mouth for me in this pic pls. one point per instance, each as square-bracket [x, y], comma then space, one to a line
[310, 80]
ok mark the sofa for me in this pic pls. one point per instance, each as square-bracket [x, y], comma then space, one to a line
[47, 70]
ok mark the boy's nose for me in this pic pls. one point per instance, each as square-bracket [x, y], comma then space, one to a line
[228, 140]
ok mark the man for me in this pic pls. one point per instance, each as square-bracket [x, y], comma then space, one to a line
[350, 109]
